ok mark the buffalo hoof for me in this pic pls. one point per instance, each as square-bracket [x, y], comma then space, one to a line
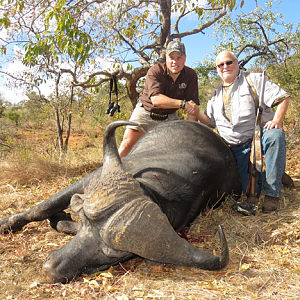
[61, 216]
[12, 223]
[68, 227]
[62, 222]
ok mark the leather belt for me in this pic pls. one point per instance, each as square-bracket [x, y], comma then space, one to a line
[239, 145]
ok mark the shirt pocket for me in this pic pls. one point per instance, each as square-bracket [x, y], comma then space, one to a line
[244, 108]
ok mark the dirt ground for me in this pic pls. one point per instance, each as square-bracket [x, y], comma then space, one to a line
[264, 253]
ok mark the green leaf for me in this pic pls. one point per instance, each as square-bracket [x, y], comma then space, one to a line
[3, 49]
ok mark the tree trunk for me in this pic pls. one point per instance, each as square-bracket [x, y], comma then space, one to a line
[131, 83]
[59, 130]
[69, 120]
[59, 126]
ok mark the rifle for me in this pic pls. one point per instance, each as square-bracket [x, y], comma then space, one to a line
[256, 157]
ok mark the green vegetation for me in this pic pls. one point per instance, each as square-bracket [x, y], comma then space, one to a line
[75, 48]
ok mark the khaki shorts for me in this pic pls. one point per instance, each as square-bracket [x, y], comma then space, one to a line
[142, 117]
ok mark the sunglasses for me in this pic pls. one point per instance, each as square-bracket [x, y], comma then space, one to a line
[227, 63]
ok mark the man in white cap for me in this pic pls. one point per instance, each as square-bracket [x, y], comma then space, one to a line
[169, 86]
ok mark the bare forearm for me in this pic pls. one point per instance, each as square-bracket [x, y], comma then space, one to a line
[281, 110]
[192, 118]
[162, 101]
[203, 118]
[279, 115]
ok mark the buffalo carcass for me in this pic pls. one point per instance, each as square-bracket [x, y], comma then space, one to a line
[134, 206]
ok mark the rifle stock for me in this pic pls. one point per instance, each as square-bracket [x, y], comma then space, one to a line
[253, 173]
[256, 158]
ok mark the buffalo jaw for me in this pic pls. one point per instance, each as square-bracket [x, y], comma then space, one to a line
[140, 227]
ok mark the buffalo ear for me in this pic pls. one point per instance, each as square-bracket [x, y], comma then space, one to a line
[76, 203]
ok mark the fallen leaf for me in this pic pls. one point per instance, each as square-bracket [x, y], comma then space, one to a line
[157, 292]
[106, 274]
[34, 284]
[245, 267]
[106, 285]
[220, 213]
[94, 284]
[52, 244]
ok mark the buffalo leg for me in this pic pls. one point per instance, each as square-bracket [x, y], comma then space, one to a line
[47, 208]
[62, 222]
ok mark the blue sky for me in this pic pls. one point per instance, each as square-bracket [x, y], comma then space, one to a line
[199, 46]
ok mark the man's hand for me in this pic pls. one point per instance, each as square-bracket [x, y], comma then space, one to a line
[279, 115]
[192, 108]
[272, 124]
[195, 112]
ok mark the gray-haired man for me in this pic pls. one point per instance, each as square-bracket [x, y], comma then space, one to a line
[231, 109]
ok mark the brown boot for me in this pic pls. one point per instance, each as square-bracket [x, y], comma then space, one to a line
[252, 200]
[270, 204]
[287, 181]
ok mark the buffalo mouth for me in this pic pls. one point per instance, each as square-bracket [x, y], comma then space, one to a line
[85, 253]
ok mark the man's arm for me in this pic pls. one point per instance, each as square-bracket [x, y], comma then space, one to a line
[198, 115]
[165, 102]
[192, 118]
[279, 115]
[203, 118]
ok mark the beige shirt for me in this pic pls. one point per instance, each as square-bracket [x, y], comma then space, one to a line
[243, 114]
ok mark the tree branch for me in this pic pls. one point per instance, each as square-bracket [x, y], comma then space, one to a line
[201, 28]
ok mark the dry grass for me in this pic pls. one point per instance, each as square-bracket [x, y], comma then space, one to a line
[35, 161]
[264, 249]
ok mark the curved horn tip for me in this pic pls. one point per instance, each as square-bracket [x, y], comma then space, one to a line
[224, 258]
[119, 123]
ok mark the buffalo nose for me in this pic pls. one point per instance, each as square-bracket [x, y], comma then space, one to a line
[50, 272]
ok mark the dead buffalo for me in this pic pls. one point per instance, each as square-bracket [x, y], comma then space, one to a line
[134, 206]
